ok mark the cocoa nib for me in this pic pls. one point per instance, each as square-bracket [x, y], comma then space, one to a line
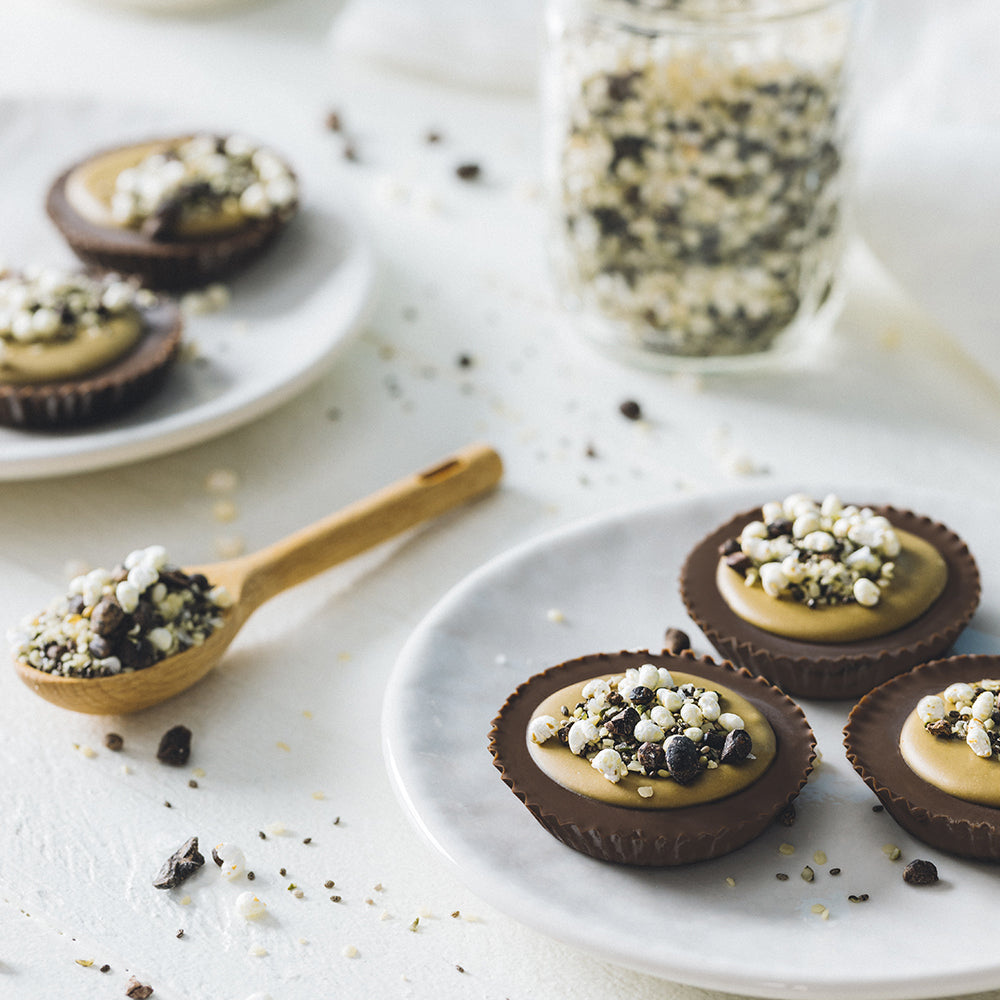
[181, 865]
[137, 990]
[175, 746]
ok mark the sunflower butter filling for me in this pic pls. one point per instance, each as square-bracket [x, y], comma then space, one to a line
[57, 325]
[828, 572]
[650, 739]
[189, 188]
[952, 741]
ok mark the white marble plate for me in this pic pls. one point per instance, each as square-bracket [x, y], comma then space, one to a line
[289, 314]
[613, 580]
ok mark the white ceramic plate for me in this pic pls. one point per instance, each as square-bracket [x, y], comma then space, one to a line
[288, 316]
[614, 581]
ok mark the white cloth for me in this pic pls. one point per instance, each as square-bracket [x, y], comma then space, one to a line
[490, 44]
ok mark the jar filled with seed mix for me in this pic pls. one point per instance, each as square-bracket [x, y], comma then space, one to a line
[697, 156]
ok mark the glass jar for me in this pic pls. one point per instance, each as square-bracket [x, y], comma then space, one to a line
[697, 156]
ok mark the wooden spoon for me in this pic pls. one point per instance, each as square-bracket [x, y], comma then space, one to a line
[255, 578]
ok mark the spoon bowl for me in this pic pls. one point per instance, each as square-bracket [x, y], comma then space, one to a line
[253, 579]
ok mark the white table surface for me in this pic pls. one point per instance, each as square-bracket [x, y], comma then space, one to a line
[890, 399]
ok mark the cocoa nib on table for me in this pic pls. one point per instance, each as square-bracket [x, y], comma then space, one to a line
[175, 746]
[181, 865]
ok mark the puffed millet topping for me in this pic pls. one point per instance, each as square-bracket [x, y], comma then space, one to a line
[816, 553]
[969, 712]
[249, 906]
[643, 723]
[43, 305]
[201, 176]
[122, 620]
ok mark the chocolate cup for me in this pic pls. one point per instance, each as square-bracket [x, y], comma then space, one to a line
[830, 671]
[871, 738]
[653, 837]
[99, 395]
[169, 265]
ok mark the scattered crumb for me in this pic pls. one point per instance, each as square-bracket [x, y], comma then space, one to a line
[282, 745]
[730, 881]
[786, 849]
[319, 796]
[259, 951]
[891, 851]
[220, 482]
[630, 410]
[555, 615]
[85, 962]
[224, 511]
[819, 857]
[229, 546]
[350, 951]
[468, 171]
[821, 911]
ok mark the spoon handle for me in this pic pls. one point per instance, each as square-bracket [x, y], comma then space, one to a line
[366, 523]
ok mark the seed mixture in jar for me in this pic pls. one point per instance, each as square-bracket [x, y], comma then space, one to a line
[699, 180]
[818, 554]
[646, 724]
[122, 620]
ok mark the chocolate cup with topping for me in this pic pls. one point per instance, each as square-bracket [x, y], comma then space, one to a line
[828, 670]
[106, 393]
[166, 264]
[653, 838]
[871, 738]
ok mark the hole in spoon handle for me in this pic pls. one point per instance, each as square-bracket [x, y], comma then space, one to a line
[460, 462]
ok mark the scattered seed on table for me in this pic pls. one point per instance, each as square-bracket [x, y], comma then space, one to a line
[808, 874]
[328, 884]
[834, 871]
[891, 851]
[878, 809]
[114, 742]
[786, 849]
[860, 898]
[630, 409]
[920, 872]
[781, 876]
[468, 171]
